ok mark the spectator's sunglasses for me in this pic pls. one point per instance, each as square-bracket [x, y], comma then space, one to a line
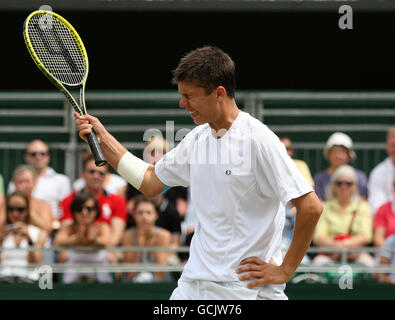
[347, 183]
[88, 208]
[36, 153]
[19, 209]
[92, 171]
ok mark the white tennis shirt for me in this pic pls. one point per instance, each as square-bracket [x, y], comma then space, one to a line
[240, 185]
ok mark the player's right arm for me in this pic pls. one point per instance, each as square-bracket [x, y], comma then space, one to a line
[138, 173]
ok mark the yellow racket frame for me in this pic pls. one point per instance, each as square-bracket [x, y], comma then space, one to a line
[59, 84]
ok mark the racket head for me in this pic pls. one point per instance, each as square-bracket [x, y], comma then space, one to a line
[56, 48]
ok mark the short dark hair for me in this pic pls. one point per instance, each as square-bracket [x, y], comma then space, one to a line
[207, 67]
[143, 199]
[79, 200]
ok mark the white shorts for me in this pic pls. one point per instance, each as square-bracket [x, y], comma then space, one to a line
[210, 290]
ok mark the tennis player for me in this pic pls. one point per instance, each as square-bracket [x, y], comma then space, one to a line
[241, 181]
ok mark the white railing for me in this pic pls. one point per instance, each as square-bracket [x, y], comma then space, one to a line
[152, 267]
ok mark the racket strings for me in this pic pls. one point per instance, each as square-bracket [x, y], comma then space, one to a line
[57, 49]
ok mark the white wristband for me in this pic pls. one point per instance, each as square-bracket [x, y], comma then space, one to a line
[132, 169]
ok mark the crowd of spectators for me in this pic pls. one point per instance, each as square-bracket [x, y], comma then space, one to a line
[43, 208]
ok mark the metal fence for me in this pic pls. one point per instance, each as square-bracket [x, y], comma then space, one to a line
[311, 115]
[147, 266]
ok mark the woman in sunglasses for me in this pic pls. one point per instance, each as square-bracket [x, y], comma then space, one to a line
[85, 231]
[346, 221]
[19, 233]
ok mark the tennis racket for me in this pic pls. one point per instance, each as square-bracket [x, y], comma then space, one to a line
[59, 53]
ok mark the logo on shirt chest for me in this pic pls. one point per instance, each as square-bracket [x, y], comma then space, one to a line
[228, 172]
[106, 210]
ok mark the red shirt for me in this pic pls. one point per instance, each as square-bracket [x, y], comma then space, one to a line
[111, 205]
[385, 218]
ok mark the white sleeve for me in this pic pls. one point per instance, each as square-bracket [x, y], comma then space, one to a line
[277, 174]
[377, 192]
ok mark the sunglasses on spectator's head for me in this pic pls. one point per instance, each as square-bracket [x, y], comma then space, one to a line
[19, 209]
[36, 153]
[92, 171]
[347, 183]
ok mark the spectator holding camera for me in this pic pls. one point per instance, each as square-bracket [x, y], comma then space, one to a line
[86, 230]
[18, 234]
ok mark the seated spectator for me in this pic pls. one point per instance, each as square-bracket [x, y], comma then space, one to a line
[112, 206]
[40, 211]
[50, 185]
[169, 219]
[346, 221]
[384, 220]
[131, 194]
[113, 183]
[387, 257]
[19, 233]
[380, 179]
[302, 166]
[86, 230]
[338, 151]
[146, 234]
[290, 214]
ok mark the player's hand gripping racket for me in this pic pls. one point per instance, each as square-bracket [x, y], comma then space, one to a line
[58, 51]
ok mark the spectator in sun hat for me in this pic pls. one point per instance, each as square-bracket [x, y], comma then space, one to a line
[338, 151]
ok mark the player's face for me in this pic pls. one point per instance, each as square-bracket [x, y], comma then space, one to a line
[390, 146]
[338, 156]
[202, 107]
[24, 182]
[37, 154]
[145, 215]
[94, 176]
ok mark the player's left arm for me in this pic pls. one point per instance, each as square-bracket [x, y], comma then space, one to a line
[309, 209]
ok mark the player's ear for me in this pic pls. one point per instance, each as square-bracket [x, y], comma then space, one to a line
[221, 92]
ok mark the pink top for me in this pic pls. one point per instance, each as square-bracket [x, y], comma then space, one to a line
[385, 217]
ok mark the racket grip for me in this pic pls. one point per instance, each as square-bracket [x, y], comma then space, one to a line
[100, 160]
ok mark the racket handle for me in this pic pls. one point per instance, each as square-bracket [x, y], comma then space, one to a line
[100, 160]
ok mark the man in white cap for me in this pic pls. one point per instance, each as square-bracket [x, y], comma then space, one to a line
[380, 179]
[338, 151]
